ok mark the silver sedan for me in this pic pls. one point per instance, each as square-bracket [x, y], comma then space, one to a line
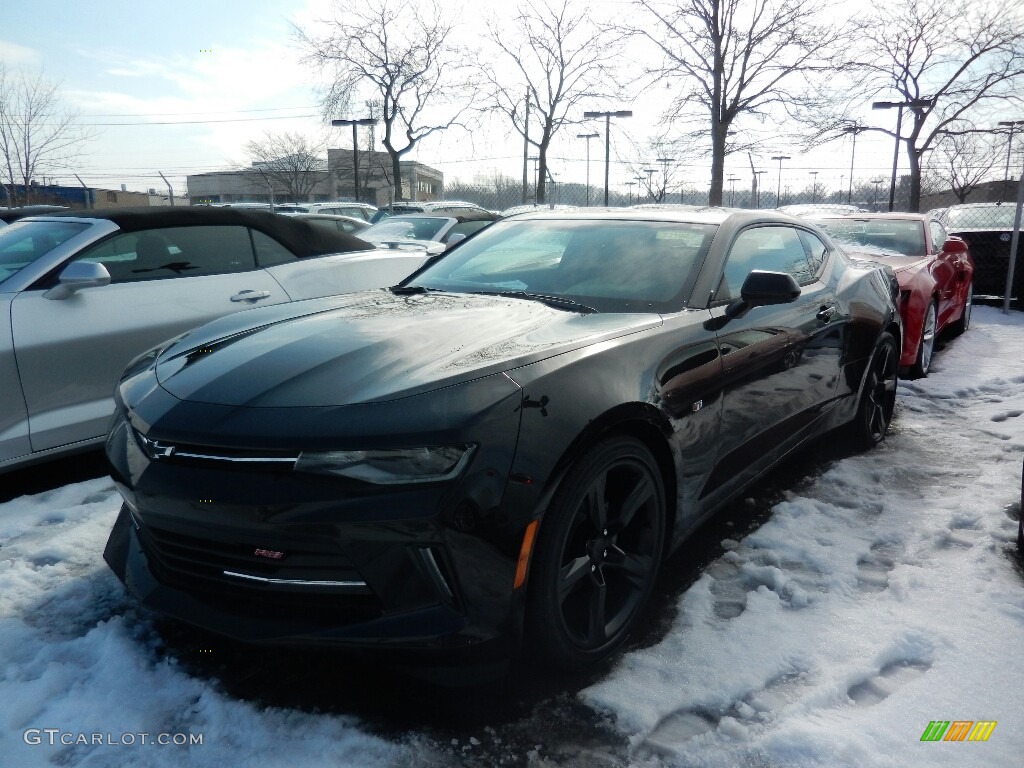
[82, 295]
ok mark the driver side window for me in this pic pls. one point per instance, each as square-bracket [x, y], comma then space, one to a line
[157, 254]
[771, 249]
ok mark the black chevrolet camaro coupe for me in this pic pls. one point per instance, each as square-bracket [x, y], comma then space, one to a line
[500, 452]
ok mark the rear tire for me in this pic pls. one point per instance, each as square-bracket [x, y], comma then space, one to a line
[926, 347]
[878, 395]
[598, 554]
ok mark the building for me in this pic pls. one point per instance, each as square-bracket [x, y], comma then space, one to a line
[336, 182]
[79, 197]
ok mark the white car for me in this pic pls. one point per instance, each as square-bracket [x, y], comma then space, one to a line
[82, 294]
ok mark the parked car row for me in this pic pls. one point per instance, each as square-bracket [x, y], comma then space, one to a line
[472, 454]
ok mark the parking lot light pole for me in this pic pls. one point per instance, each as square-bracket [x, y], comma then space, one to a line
[588, 137]
[899, 105]
[1009, 146]
[757, 200]
[814, 186]
[778, 189]
[607, 144]
[732, 190]
[650, 182]
[355, 146]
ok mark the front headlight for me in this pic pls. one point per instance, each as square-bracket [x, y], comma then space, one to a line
[391, 466]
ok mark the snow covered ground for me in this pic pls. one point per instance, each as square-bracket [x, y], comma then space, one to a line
[879, 596]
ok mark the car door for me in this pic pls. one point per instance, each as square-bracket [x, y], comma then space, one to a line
[71, 351]
[781, 363]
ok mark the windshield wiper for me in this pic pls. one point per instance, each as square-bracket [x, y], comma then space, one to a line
[409, 290]
[558, 302]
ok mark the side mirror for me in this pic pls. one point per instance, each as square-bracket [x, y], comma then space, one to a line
[76, 276]
[954, 245]
[455, 239]
[761, 289]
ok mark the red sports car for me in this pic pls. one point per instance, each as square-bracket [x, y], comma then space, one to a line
[935, 272]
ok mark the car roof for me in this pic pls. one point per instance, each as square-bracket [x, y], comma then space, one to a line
[893, 216]
[301, 238]
[689, 215]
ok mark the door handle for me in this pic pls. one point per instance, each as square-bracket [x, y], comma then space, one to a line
[825, 314]
[250, 295]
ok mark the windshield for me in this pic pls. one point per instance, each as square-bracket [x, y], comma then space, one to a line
[405, 227]
[25, 241]
[623, 266]
[905, 238]
[994, 216]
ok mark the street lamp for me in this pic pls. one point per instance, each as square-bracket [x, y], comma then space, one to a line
[588, 137]
[1009, 145]
[757, 200]
[732, 190]
[814, 186]
[899, 105]
[631, 184]
[854, 129]
[535, 160]
[874, 197]
[650, 183]
[607, 129]
[778, 189]
[355, 149]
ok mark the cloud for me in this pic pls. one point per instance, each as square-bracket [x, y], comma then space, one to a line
[12, 53]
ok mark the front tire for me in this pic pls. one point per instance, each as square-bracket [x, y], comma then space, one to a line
[878, 396]
[600, 548]
[926, 347]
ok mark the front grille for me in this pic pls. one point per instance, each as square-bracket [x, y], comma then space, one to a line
[319, 587]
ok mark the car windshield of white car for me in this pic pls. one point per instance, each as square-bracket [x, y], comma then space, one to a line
[25, 241]
[614, 266]
[405, 228]
[881, 236]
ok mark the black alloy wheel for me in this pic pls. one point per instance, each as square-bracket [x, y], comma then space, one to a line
[598, 554]
[878, 398]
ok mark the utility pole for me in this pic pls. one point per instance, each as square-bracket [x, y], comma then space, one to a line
[607, 143]
[526, 143]
[88, 194]
[170, 192]
[588, 137]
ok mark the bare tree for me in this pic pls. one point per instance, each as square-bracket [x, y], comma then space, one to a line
[292, 162]
[557, 58]
[963, 56]
[401, 53]
[37, 133]
[963, 161]
[736, 58]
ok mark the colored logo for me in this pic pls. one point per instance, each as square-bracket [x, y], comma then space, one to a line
[958, 730]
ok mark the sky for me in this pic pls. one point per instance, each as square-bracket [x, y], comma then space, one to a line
[882, 593]
[226, 72]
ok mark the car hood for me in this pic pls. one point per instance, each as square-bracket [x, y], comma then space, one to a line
[899, 264]
[373, 347]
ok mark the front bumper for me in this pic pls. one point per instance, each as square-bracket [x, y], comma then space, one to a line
[270, 555]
